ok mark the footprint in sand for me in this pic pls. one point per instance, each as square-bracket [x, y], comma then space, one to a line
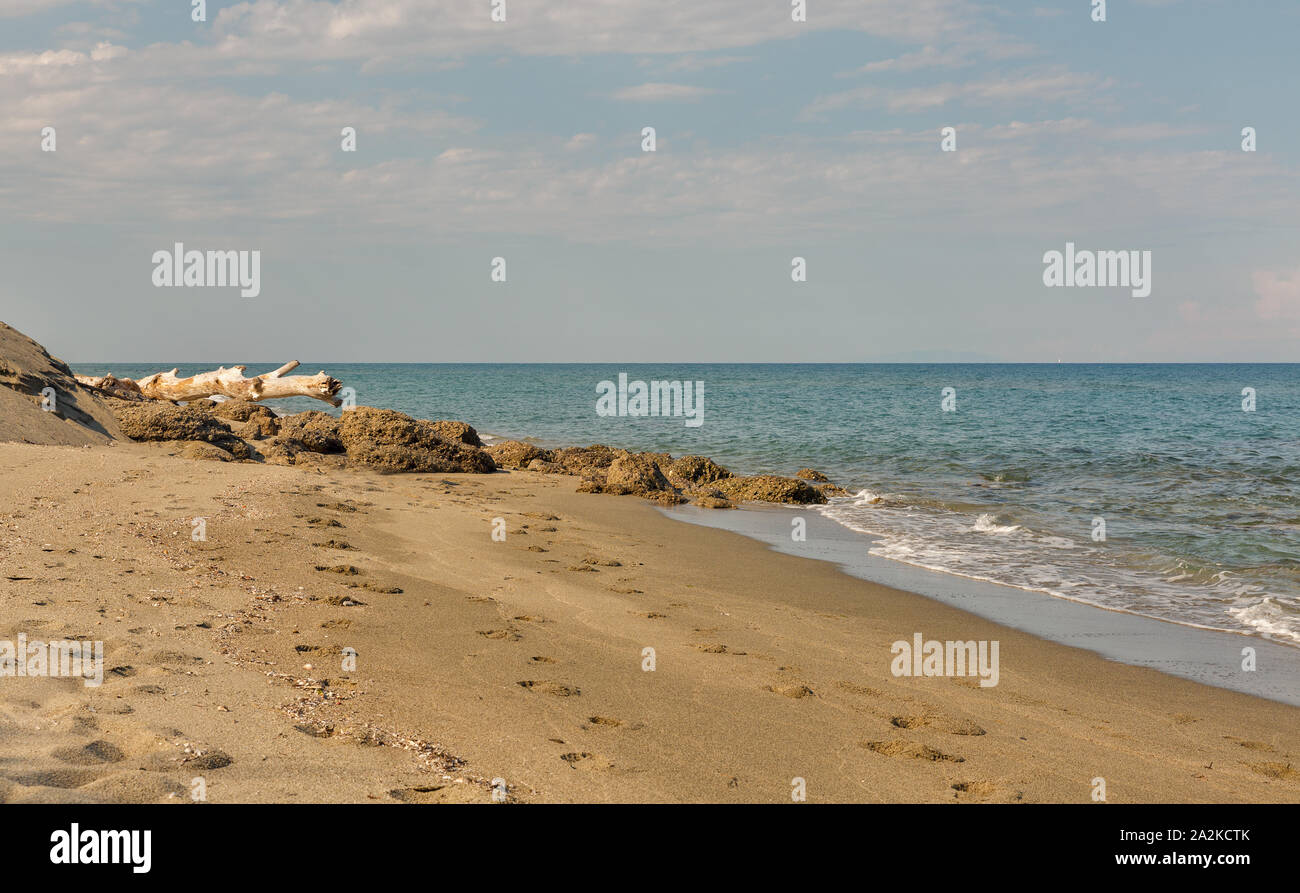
[719, 648]
[911, 749]
[1279, 771]
[94, 753]
[539, 659]
[937, 722]
[604, 721]
[586, 760]
[508, 635]
[975, 788]
[793, 691]
[547, 687]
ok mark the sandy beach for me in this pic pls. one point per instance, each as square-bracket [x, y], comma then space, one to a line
[524, 660]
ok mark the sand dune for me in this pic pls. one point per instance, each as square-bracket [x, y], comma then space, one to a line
[77, 417]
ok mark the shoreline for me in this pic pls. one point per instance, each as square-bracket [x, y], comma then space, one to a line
[523, 659]
[1200, 654]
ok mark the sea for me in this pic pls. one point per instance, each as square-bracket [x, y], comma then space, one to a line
[1166, 491]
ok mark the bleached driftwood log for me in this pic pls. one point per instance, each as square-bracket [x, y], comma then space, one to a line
[223, 382]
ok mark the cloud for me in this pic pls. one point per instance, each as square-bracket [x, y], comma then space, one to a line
[663, 93]
[366, 29]
[1279, 294]
[1061, 87]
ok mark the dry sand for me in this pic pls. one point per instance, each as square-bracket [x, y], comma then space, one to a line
[522, 659]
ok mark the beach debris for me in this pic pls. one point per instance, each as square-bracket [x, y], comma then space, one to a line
[222, 382]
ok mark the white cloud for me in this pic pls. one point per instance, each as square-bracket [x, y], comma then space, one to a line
[1045, 86]
[663, 93]
[364, 29]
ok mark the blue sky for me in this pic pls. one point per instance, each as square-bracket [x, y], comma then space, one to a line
[776, 139]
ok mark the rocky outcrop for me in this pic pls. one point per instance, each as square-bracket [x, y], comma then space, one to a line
[636, 473]
[585, 461]
[154, 422]
[76, 416]
[381, 439]
[313, 431]
[770, 488]
[457, 431]
[696, 470]
[248, 420]
[391, 441]
[517, 454]
[808, 474]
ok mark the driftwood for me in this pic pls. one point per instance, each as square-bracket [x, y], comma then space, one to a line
[223, 382]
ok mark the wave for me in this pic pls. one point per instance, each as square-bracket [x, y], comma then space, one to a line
[1007, 547]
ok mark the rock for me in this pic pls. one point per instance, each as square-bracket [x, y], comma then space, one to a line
[713, 502]
[664, 497]
[157, 421]
[696, 470]
[583, 460]
[546, 467]
[770, 488]
[457, 431]
[445, 458]
[315, 431]
[517, 454]
[256, 429]
[808, 474]
[240, 410]
[391, 441]
[79, 416]
[312, 459]
[637, 474]
[197, 449]
[829, 490]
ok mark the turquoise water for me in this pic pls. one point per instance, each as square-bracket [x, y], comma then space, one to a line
[1200, 499]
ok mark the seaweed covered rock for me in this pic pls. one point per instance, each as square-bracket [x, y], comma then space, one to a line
[517, 454]
[585, 460]
[770, 488]
[809, 474]
[391, 441]
[462, 432]
[444, 457]
[637, 474]
[696, 470]
[314, 431]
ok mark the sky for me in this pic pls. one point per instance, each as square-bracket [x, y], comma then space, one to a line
[775, 139]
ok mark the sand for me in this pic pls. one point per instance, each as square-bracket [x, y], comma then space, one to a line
[522, 660]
